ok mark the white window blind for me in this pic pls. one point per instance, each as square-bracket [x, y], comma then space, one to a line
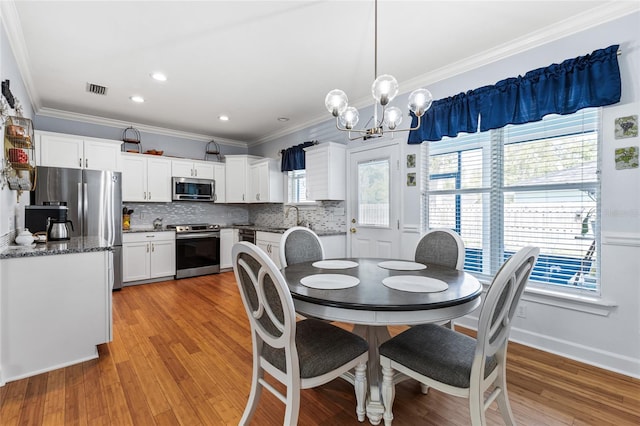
[297, 187]
[530, 184]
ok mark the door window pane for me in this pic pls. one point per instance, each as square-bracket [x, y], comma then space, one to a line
[373, 193]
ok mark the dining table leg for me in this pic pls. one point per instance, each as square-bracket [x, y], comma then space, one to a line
[375, 336]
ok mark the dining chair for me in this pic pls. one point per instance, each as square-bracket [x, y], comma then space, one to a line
[441, 246]
[300, 244]
[455, 363]
[300, 355]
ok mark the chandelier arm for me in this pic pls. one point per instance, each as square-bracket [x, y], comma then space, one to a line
[344, 129]
[417, 125]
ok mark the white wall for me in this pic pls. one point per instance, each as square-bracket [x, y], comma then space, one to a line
[603, 331]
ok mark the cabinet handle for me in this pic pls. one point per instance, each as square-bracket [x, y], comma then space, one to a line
[79, 162]
[153, 247]
[258, 196]
[147, 248]
[215, 197]
[196, 172]
[144, 195]
[149, 195]
[86, 163]
[242, 197]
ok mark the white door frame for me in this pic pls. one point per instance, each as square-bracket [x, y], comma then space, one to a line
[398, 188]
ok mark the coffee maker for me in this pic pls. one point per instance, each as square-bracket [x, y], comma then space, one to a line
[39, 219]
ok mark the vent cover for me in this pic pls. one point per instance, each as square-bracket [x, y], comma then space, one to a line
[96, 88]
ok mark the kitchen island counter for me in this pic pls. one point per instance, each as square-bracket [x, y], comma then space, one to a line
[73, 245]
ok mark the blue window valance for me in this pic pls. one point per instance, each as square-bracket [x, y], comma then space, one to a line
[293, 158]
[586, 81]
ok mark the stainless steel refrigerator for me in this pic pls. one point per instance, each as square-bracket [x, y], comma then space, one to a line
[94, 200]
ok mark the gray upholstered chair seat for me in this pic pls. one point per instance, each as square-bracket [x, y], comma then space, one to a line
[448, 359]
[322, 348]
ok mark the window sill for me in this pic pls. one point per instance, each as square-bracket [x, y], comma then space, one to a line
[576, 302]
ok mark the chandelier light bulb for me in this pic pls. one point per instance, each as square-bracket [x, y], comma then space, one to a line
[384, 89]
[349, 118]
[420, 101]
[336, 102]
[392, 117]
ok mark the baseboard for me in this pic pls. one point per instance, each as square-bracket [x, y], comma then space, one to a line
[575, 351]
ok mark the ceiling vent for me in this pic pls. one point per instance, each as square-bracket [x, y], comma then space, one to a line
[96, 88]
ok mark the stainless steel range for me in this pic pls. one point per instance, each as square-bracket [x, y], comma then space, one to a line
[197, 249]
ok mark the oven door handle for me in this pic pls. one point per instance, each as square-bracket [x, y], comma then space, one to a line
[203, 235]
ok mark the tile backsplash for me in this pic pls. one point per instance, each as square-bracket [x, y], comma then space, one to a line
[323, 216]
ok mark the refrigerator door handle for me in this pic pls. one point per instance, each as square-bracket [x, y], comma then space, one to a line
[85, 209]
[80, 209]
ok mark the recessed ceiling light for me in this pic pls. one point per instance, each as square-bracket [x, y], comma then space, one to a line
[223, 117]
[283, 119]
[137, 99]
[158, 76]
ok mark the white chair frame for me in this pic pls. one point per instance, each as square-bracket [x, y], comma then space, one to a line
[286, 341]
[493, 337]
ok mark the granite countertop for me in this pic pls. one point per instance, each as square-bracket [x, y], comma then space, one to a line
[74, 245]
[280, 230]
[150, 229]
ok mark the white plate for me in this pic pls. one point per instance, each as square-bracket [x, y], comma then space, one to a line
[401, 265]
[415, 284]
[334, 264]
[329, 281]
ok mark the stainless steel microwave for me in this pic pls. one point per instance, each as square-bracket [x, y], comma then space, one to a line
[191, 189]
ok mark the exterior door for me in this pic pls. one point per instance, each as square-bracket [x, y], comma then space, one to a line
[373, 202]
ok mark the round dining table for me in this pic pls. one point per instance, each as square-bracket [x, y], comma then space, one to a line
[374, 293]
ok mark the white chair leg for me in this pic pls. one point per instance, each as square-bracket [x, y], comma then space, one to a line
[424, 388]
[476, 407]
[503, 401]
[388, 392]
[360, 385]
[254, 396]
[293, 405]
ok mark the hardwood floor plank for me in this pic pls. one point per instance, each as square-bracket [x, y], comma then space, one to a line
[181, 355]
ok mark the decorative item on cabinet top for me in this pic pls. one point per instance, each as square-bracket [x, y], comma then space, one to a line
[213, 149]
[131, 136]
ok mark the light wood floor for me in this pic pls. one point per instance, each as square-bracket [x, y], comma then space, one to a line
[181, 354]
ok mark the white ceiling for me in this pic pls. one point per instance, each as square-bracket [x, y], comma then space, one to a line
[259, 60]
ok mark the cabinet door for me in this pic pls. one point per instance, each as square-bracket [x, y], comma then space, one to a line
[316, 174]
[158, 180]
[134, 178]
[135, 261]
[181, 168]
[203, 169]
[228, 237]
[61, 151]
[259, 183]
[163, 258]
[101, 155]
[236, 178]
[219, 177]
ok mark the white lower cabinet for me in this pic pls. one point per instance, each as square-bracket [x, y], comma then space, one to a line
[270, 243]
[228, 237]
[335, 246]
[148, 256]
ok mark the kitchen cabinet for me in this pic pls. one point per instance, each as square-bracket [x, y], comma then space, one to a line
[326, 171]
[77, 152]
[148, 256]
[267, 184]
[228, 237]
[219, 171]
[335, 246]
[54, 309]
[237, 183]
[270, 243]
[192, 168]
[146, 178]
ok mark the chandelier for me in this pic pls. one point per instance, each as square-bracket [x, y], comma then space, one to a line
[383, 89]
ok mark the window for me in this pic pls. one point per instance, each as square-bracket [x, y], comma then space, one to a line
[297, 187]
[529, 184]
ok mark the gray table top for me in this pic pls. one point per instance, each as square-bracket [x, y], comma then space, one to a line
[372, 295]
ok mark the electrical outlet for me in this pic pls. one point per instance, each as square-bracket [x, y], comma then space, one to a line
[521, 311]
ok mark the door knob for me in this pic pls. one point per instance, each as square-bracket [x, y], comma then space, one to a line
[352, 230]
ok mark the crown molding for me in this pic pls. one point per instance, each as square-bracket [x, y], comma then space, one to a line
[92, 119]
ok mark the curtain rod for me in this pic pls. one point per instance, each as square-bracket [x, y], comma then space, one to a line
[314, 142]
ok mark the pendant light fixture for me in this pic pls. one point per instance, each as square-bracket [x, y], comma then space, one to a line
[383, 89]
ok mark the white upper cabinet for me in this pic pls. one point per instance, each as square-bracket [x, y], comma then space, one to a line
[219, 170]
[192, 168]
[267, 185]
[77, 152]
[237, 177]
[146, 178]
[326, 171]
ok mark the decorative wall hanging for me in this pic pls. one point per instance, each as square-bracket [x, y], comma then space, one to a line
[627, 158]
[411, 161]
[411, 179]
[626, 127]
